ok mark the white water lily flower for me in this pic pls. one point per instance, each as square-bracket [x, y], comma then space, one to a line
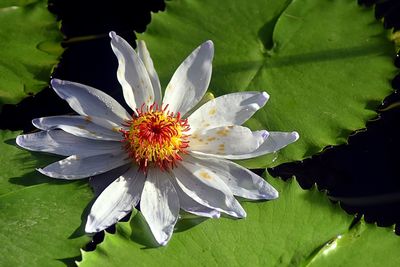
[157, 155]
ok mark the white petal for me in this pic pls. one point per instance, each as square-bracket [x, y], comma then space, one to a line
[65, 144]
[88, 101]
[75, 167]
[241, 181]
[204, 187]
[274, 142]
[116, 201]
[190, 81]
[159, 205]
[230, 109]
[101, 181]
[104, 123]
[79, 126]
[131, 74]
[227, 140]
[191, 206]
[144, 55]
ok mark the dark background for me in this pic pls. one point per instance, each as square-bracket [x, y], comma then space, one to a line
[363, 175]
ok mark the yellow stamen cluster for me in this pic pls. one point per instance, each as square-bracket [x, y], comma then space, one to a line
[156, 137]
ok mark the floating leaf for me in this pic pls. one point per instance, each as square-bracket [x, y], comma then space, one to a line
[40, 216]
[326, 64]
[283, 232]
[29, 48]
[363, 245]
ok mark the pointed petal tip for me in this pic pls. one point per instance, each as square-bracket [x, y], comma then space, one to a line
[272, 194]
[295, 135]
[162, 239]
[91, 227]
[239, 213]
[242, 214]
[41, 171]
[94, 226]
[112, 34]
[19, 141]
[55, 82]
[24, 141]
[90, 230]
[264, 96]
[163, 243]
[209, 45]
[35, 122]
[269, 196]
[49, 174]
[58, 86]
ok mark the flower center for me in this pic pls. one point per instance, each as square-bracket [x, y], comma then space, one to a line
[156, 137]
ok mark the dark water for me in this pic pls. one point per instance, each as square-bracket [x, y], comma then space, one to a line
[363, 175]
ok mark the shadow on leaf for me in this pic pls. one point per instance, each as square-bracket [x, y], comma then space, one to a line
[141, 233]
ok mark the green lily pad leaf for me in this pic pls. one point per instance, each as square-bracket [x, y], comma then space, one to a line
[326, 64]
[283, 232]
[364, 245]
[40, 217]
[29, 48]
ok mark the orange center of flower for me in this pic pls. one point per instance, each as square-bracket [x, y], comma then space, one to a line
[156, 137]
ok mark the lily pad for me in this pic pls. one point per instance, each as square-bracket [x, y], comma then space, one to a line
[284, 232]
[40, 217]
[326, 64]
[363, 245]
[29, 48]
